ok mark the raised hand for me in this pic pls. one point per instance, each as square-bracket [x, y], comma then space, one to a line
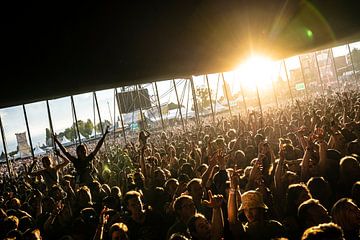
[319, 133]
[234, 175]
[214, 201]
[104, 216]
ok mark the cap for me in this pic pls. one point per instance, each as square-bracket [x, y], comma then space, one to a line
[252, 199]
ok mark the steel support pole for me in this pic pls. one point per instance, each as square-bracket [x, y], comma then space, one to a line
[51, 128]
[288, 81]
[179, 105]
[226, 94]
[76, 121]
[120, 113]
[98, 110]
[210, 98]
[335, 68]
[195, 101]
[160, 111]
[303, 77]
[352, 64]
[5, 149]
[28, 130]
[143, 123]
[320, 78]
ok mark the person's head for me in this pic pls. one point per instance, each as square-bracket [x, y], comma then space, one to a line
[81, 151]
[57, 193]
[296, 194]
[139, 179]
[231, 134]
[346, 214]
[195, 190]
[115, 191]
[219, 181]
[184, 207]
[332, 167]
[48, 204]
[159, 177]
[312, 213]
[355, 192]
[46, 162]
[178, 236]
[14, 203]
[319, 189]
[201, 169]
[95, 188]
[118, 231]
[32, 234]
[25, 223]
[106, 189]
[84, 197]
[10, 223]
[171, 185]
[133, 203]
[253, 206]
[199, 227]
[324, 231]
[89, 216]
[349, 168]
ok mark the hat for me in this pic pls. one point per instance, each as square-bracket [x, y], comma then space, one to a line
[252, 199]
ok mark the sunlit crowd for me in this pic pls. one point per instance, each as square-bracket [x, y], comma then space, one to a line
[290, 172]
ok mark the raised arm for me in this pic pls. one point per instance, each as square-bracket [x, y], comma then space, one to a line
[279, 170]
[62, 148]
[63, 164]
[234, 201]
[217, 219]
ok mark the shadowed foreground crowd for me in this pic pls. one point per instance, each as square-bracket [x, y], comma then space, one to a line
[289, 173]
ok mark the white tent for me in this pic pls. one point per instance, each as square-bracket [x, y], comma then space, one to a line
[38, 151]
[82, 137]
[65, 141]
[93, 133]
[21, 155]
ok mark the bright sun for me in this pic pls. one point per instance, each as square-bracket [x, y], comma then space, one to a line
[257, 70]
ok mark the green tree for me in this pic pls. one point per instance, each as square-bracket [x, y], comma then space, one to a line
[88, 127]
[49, 139]
[355, 56]
[104, 124]
[203, 100]
[172, 106]
[70, 133]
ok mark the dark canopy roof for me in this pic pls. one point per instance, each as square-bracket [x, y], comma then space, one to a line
[58, 48]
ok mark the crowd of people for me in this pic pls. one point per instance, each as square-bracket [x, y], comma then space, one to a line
[291, 172]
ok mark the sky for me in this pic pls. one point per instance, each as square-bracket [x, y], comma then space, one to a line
[14, 122]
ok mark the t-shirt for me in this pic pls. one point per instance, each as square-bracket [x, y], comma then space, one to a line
[178, 227]
[263, 230]
[50, 177]
[151, 229]
[83, 169]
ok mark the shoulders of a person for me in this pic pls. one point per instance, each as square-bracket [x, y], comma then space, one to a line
[177, 227]
[274, 223]
[153, 216]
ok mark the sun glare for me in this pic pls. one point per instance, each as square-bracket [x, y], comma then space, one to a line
[257, 70]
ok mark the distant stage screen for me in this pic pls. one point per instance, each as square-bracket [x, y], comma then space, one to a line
[131, 101]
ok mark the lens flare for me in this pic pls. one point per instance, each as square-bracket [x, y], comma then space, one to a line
[257, 71]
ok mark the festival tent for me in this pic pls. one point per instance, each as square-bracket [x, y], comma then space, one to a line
[21, 155]
[94, 133]
[65, 141]
[82, 137]
[3, 158]
[38, 151]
